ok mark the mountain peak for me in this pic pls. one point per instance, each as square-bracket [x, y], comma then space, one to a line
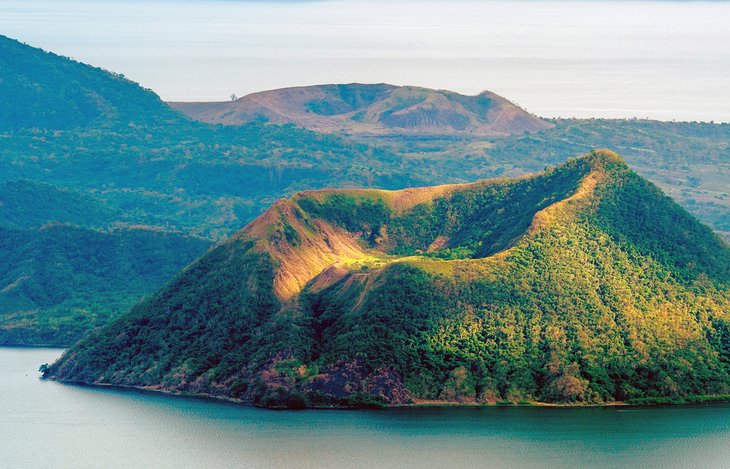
[606, 158]
[374, 109]
[550, 287]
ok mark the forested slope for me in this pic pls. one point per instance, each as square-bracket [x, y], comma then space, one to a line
[581, 284]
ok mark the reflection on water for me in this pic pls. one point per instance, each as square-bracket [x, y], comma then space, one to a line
[659, 59]
[54, 425]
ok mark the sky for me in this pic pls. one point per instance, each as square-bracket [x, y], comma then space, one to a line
[663, 60]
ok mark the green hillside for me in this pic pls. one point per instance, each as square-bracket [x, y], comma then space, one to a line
[59, 282]
[144, 161]
[204, 180]
[131, 162]
[42, 90]
[208, 180]
[29, 204]
[687, 160]
[85, 147]
[580, 284]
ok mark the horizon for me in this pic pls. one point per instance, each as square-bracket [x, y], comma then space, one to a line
[555, 59]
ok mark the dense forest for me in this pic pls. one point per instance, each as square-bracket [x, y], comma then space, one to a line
[87, 148]
[41, 90]
[61, 281]
[598, 288]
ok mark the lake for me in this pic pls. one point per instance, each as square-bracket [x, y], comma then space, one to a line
[47, 424]
[659, 59]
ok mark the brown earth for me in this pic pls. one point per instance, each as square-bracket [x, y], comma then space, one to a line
[373, 109]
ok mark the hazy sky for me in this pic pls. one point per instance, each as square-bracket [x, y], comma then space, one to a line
[666, 60]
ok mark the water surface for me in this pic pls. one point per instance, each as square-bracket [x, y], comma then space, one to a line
[588, 58]
[47, 424]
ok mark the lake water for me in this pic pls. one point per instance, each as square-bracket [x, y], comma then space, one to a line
[660, 59]
[47, 424]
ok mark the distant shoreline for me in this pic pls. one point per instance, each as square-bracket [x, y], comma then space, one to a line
[35, 346]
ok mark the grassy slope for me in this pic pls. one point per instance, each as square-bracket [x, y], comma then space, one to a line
[689, 160]
[612, 292]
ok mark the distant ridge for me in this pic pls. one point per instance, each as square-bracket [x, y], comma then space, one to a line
[373, 109]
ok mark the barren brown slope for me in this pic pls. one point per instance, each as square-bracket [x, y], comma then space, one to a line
[373, 109]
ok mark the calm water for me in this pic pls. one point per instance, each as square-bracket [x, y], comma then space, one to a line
[46, 424]
[660, 59]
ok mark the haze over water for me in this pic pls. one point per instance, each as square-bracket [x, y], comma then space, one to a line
[662, 60]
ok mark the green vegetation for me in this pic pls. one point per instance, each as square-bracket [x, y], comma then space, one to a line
[28, 204]
[687, 160]
[154, 167]
[85, 147]
[203, 180]
[702, 399]
[480, 220]
[45, 91]
[88, 148]
[59, 281]
[149, 165]
[603, 289]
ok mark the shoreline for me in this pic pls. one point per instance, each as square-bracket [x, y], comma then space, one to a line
[649, 402]
[35, 346]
